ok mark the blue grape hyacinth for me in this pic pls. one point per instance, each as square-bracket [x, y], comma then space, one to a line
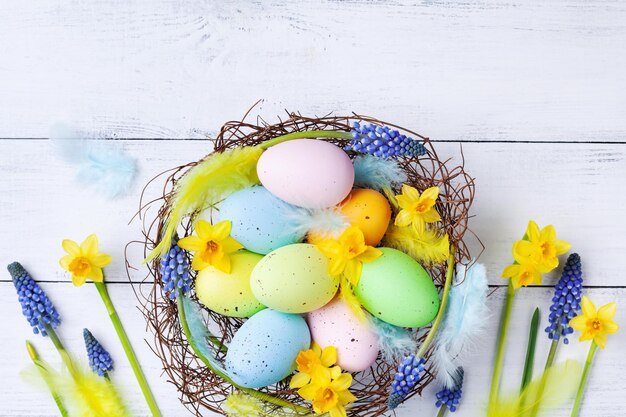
[99, 359]
[566, 300]
[36, 306]
[382, 141]
[409, 373]
[175, 271]
[450, 397]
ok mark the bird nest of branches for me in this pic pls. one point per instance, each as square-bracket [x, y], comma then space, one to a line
[202, 390]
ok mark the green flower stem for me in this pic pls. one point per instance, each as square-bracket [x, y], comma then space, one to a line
[542, 383]
[252, 392]
[529, 363]
[35, 358]
[502, 333]
[442, 411]
[60, 348]
[128, 349]
[442, 307]
[311, 134]
[583, 380]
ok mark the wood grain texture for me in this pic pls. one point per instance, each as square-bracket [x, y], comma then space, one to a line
[85, 310]
[477, 70]
[575, 186]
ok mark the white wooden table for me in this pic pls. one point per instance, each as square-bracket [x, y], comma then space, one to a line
[534, 91]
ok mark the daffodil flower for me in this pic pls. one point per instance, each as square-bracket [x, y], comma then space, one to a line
[417, 209]
[312, 364]
[541, 246]
[522, 273]
[347, 254]
[84, 261]
[212, 246]
[595, 324]
[330, 394]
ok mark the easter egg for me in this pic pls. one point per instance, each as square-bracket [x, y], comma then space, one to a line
[366, 209]
[258, 220]
[293, 279]
[336, 325]
[398, 290]
[307, 172]
[264, 349]
[230, 294]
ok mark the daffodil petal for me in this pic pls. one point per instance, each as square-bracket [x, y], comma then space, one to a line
[336, 266]
[204, 229]
[70, 247]
[230, 245]
[352, 271]
[335, 371]
[337, 411]
[78, 280]
[410, 192]
[65, 261]
[89, 247]
[222, 230]
[370, 254]
[403, 201]
[222, 263]
[607, 311]
[329, 356]
[342, 382]
[561, 246]
[316, 349]
[101, 260]
[522, 249]
[431, 193]
[610, 327]
[346, 397]
[532, 231]
[510, 271]
[299, 380]
[329, 247]
[96, 274]
[548, 233]
[198, 263]
[600, 340]
[192, 243]
[579, 323]
[403, 218]
[431, 216]
[308, 391]
[589, 310]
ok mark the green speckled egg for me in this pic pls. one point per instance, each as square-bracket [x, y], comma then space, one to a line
[294, 279]
[398, 290]
[230, 294]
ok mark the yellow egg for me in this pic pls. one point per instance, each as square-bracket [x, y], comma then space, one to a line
[366, 209]
[230, 294]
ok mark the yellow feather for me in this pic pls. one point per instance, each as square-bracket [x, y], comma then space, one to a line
[211, 180]
[429, 247]
[561, 382]
[347, 294]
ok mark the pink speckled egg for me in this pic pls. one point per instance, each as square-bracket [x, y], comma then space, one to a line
[307, 172]
[336, 325]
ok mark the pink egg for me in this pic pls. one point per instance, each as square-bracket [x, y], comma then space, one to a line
[336, 325]
[307, 172]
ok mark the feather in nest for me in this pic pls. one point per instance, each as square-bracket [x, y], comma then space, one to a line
[429, 247]
[214, 178]
[101, 163]
[326, 222]
[377, 173]
[394, 342]
[464, 321]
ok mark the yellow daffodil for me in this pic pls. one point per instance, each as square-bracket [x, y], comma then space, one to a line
[212, 246]
[417, 209]
[347, 254]
[595, 324]
[312, 364]
[541, 246]
[522, 273]
[84, 261]
[330, 394]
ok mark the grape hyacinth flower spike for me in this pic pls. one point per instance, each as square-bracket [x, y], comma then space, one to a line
[99, 359]
[566, 301]
[409, 373]
[175, 271]
[449, 397]
[36, 306]
[383, 142]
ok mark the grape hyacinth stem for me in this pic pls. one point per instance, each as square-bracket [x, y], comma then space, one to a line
[542, 384]
[128, 349]
[502, 334]
[583, 380]
[60, 347]
[311, 134]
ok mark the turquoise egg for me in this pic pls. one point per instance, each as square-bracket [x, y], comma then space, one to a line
[264, 349]
[259, 220]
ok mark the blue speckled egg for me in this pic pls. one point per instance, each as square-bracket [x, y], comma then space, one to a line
[259, 220]
[264, 349]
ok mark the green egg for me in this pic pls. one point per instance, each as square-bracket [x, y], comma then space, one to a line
[230, 294]
[398, 290]
[294, 279]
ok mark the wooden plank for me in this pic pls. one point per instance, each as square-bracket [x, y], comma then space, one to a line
[480, 70]
[80, 307]
[41, 204]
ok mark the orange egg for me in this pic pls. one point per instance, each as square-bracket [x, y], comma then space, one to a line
[366, 209]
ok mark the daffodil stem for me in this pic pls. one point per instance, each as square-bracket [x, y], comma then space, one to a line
[542, 383]
[502, 334]
[252, 392]
[583, 380]
[442, 306]
[128, 349]
[311, 134]
[35, 358]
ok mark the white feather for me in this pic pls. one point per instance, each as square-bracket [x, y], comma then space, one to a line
[394, 342]
[101, 164]
[465, 319]
[326, 222]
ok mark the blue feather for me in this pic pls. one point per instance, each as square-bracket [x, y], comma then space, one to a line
[101, 163]
[377, 173]
[394, 342]
[465, 319]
